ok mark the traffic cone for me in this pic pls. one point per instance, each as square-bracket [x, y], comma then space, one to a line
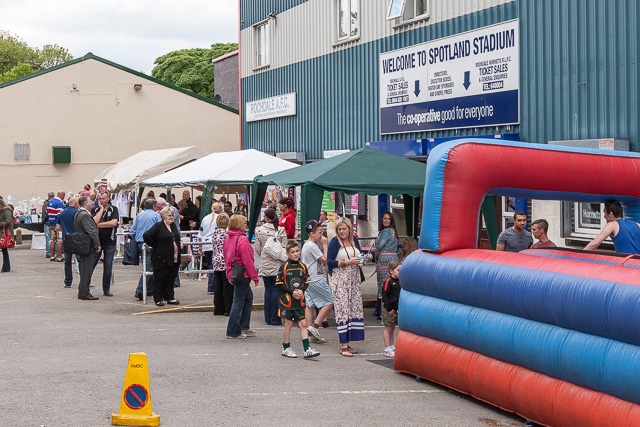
[135, 403]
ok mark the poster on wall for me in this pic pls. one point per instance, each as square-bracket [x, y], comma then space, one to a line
[329, 204]
[467, 80]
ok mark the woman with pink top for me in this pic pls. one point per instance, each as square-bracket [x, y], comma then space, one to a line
[238, 248]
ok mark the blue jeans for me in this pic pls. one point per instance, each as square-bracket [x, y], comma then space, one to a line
[47, 240]
[68, 269]
[108, 251]
[240, 315]
[149, 268]
[208, 255]
[271, 301]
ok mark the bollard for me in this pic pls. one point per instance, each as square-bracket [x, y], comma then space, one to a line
[18, 236]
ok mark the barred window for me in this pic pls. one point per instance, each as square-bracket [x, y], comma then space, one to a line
[21, 151]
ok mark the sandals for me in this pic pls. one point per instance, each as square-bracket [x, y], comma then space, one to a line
[345, 352]
[160, 304]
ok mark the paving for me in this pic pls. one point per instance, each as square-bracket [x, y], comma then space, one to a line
[64, 362]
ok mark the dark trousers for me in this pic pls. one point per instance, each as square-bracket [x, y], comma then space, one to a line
[109, 252]
[163, 283]
[222, 294]
[271, 301]
[68, 269]
[208, 256]
[6, 264]
[86, 270]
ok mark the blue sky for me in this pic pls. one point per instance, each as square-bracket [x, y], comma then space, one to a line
[129, 33]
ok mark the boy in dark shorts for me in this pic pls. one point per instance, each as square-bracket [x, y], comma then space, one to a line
[292, 280]
[390, 298]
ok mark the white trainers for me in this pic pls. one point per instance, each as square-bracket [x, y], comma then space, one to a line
[311, 352]
[315, 333]
[249, 332]
[288, 352]
[390, 351]
[239, 337]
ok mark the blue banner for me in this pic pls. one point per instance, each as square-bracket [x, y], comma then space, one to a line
[491, 109]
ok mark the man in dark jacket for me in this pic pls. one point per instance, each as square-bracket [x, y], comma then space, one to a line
[65, 224]
[85, 224]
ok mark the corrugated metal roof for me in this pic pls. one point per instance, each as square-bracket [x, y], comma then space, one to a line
[579, 78]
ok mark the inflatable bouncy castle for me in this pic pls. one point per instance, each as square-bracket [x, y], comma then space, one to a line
[552, 335]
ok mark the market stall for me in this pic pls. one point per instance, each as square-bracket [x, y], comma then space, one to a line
[228, 172]
[364, 170]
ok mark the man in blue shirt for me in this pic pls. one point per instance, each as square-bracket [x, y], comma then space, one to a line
[54, 208]
[624, 233]
[65, 225]
[144, 221]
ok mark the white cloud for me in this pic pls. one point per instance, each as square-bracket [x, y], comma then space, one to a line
[129, 33]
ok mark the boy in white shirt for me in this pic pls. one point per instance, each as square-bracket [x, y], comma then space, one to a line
[318, 293]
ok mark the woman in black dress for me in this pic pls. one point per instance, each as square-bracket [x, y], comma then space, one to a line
[164, 240]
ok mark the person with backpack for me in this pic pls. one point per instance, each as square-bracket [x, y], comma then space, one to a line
[270, 262]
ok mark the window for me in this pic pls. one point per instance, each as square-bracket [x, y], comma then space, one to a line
[396, 7]
[21, 151]
[262, 44]
[348, 19]
[407, 10]
[509, 208]
[588, 218]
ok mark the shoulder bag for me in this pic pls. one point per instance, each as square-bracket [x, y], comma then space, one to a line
[131, 254]
[274, 249]
[77, 243]
[237, 269]
[6, 240]
[362, 277]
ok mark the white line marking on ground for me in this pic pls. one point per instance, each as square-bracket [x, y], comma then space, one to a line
[299, 393]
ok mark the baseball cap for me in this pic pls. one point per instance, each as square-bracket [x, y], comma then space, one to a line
[311, 225]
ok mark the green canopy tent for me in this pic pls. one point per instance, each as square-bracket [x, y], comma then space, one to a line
[364, 170]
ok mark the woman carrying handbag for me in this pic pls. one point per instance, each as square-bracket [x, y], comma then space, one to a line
[239, 253]
[6, 219]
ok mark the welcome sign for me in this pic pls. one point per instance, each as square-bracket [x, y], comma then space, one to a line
[471, 79]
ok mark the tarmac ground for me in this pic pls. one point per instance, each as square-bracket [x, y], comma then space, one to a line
[64, 361]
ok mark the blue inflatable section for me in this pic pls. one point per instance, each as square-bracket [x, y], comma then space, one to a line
[593, 362]
[587, 305]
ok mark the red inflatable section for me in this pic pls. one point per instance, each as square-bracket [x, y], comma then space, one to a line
[465, 182]
[511, 387]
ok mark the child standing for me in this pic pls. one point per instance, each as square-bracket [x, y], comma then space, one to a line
[292, 280]
[390, 298]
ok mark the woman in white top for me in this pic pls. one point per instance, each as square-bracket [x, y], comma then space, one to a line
[343, 259]
[207, 227]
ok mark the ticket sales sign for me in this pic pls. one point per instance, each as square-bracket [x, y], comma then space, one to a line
[471, 79]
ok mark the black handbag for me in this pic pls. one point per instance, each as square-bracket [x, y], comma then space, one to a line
[362, 278]
[237, 269]
[77, 243]
[131, 254]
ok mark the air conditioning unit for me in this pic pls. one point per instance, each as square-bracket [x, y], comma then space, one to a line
[292, 156]
[620, 144]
